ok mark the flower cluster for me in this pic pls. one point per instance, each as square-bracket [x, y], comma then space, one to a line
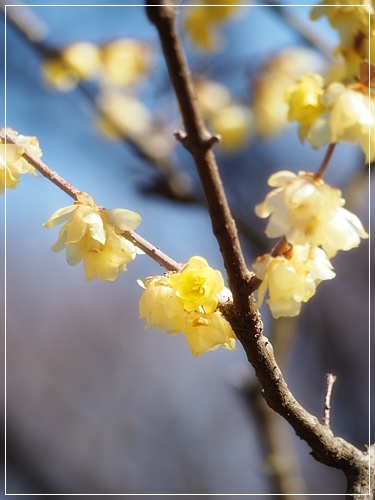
[355, 23]
[187, 302]
[92, 234]
[272, 80]
[12, 162]
[309, 214]
[232, 121]
[201, 22]
[333, 113]
[121, 63]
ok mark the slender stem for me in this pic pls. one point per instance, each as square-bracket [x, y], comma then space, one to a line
[326, 160]
[151, 250]
[327, 403]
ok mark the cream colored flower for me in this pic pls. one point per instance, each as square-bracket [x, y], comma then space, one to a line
[12, 163]
[125, 62]
[160, 305]
[91, 234]
[234, 124]
[197, 285]
[350, 118]
[305, 209]
[291, 279]
[212, 96]
[123, 116]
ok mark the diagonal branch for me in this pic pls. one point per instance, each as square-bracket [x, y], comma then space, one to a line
[151, 250]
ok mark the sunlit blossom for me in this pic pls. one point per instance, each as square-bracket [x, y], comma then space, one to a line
[92, 234]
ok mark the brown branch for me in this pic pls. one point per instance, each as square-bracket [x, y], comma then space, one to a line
[327, 403]
[246, 322]
[199, 142]
[151, 250]
[325, 161]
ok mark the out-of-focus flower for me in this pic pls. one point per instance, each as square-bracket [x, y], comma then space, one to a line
[125, 62]
[355, 24]
[234, 124]
[123, 116]
[292, 278]
[305, 209]
[91, 234]
[201, 22]
[212, 96]
[12, 163]
[78, 61]
[186, 302]
[197, 285]
[353, 14]
[273, 78]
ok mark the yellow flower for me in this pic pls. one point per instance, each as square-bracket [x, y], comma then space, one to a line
[12, 163]
[163, 309]
[201, 23]
[271, 82]
[305, 209]
[207, 332]
[91, 234]
[197, 285]
[303, 98]
[291, 279]
[125, 62]
[353, 14]
[160, 305]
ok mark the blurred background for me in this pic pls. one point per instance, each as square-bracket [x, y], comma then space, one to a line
[95, 403]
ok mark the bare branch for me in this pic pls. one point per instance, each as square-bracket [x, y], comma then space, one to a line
[152, 251]
[199, 142]
[245, 321]
[327, 403]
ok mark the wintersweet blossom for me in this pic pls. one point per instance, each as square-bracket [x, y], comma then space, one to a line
[186, 302]
[292, 278]
[197, 285]
[91, 234]
[201, 22]
[12, 162]
[350, 118]
[271, 82]
[303, 98]
[305, 209]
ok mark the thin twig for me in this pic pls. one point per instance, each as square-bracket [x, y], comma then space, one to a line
[151, 250]
[326, 160]
[327, 402]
